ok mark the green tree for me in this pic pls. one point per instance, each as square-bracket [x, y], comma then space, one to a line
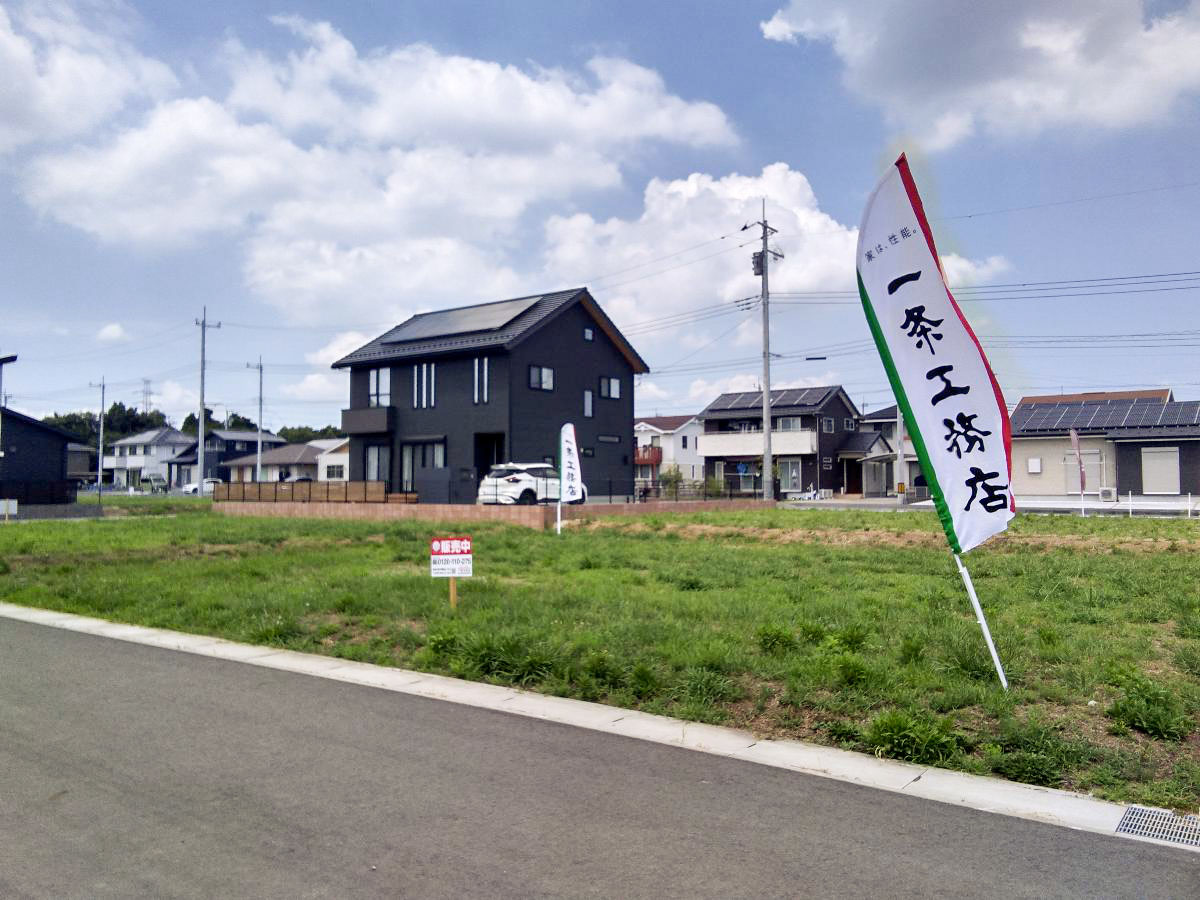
[189, 424]
[302, 434]
[84, 425]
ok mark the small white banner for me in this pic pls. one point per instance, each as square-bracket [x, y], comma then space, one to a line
[572, 477]
[450, 557]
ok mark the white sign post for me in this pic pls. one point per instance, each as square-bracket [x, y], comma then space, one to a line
[451, 557]
[570, 478]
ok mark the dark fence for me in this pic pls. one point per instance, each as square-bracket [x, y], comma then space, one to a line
[39, 492]
[308, 492]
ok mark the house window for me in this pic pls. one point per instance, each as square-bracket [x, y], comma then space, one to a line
[719, 470]
[588, 334]
[848, 424]
[683, 438]
[424, 385]
[587, 404]
[541, 378]
[609, 438]
[610, 388]
[239, 445]
[481, 379]
[589, 451]
[827, 424]
[788, 423]
[379, 387]
[655, 440]
[335, 472]
[377, 460]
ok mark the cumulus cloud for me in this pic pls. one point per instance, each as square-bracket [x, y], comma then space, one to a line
[112, 333]
[176, 401]
[363, 185]
[325, 386]
[943, 72]
[62, 72]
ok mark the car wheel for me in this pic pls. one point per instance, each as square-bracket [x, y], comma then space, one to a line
[527, 498]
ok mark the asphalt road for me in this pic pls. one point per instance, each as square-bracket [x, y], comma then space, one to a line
[132, 771]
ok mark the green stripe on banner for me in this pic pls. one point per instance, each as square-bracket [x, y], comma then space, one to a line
[935, 489]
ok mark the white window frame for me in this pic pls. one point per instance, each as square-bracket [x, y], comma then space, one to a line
[589, 334]
[589, 409]
[545, 378]
[827, 425]
[610, 387]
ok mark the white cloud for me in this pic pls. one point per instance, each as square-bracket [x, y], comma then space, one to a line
[331, 386]
[365, 185]
[112, 333]
[176, 401]
[943, 72]
[342, 344]
[61, 76]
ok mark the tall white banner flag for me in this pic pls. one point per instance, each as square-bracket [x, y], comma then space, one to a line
[952, 405]
[571, 479]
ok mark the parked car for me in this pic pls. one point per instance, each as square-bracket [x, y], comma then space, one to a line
[293, 479]
[521, 483]
[209, 484]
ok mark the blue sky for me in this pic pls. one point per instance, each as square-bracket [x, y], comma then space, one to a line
[316, 172]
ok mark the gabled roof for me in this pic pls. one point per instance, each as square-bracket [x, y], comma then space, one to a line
[1108, 416]
[664, 424]
[1163, 395]
[7, 413]
[287, 455]
[244, 435]
[864, 442]
[164, 435]
[886, 414]
[786, 402]
[502, 324]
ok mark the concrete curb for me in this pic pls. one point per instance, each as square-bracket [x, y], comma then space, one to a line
[1047, 805]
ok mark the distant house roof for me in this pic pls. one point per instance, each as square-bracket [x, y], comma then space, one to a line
[1151, 416]
[158, 436]
[341, 445]
[245, 435]
[861, 443]
[327, 444]
[287, 455]
[790, 401]
[885, 414]
[663, 423]
[1163, 395]
[7, 413]
[502, 324]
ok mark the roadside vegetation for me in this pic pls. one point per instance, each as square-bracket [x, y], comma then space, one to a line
[116, 504]
[847, 628]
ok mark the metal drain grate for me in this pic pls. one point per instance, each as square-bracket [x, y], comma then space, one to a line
[1161, 825]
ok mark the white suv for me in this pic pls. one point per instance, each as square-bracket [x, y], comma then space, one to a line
[521, 483]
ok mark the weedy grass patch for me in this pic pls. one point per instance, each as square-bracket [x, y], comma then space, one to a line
[849, 628]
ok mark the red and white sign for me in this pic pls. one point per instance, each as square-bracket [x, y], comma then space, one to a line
[450, 557]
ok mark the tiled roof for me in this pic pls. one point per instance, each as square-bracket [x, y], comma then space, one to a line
[886, 414]
[862, 442]
[243, 435]
[287, 455]
[480, 326]
[663, 423]
[7, 413]
[1163, 395]
[156, 436]
[1173, 432]
[789, 401]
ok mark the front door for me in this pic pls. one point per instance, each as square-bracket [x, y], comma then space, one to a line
[489, 451]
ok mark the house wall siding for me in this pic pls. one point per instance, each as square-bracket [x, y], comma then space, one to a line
[1056, 455]
[1129, 465]
[32, 453]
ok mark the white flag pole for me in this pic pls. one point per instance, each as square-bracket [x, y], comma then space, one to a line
[558, 514]
[987, 635]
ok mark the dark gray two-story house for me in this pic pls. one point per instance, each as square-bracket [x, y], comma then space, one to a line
[33, 461]
[442, 397]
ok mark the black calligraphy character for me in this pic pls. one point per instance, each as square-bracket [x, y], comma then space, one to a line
[993, 499]
[896, 283]
[948, 390]
[967, 431]
[921, 328]
[870, 256]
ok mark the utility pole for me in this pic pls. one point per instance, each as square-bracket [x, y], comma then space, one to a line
[100, 448]
[204, 326]
[145, 396]
[258, 457]
[761, 267]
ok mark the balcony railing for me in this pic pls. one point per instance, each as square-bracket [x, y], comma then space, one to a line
[371, 420]
[724, 444]
[647, 456]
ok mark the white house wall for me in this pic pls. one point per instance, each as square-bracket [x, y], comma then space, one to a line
[1059, 471]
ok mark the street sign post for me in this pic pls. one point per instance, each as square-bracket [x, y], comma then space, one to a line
[451, 557]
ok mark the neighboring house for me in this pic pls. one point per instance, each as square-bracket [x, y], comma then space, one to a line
[1140, 442]
[81, 462]
[143, 457]
[665, 442]
[879, 461]
[278, 463]
[334, 462]
[444, 396]
[220, 446]
[808, 428]
[33, 461]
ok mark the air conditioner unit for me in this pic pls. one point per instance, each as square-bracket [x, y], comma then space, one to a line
[1108, 493]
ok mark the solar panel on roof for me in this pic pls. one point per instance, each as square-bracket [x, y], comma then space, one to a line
[460, 321]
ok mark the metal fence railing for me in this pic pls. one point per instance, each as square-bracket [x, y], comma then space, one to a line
[308, 492]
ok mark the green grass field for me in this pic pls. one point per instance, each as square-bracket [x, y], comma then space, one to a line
[845, 628]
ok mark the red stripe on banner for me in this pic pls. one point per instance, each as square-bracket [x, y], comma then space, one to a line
[914, 198]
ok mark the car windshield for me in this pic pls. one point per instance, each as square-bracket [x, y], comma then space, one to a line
[502, 471]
